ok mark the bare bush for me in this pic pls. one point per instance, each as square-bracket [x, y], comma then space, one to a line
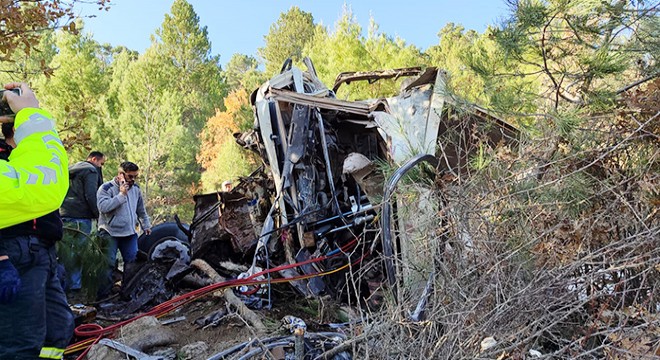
[554, 259]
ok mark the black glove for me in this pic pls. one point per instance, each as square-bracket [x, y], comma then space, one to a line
[10, 282]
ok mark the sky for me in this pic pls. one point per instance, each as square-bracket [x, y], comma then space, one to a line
[239, 26]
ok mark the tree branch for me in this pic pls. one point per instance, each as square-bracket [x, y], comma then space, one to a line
[636, 83]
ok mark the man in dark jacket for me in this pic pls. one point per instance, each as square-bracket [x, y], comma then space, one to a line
[79, 208]
[97, 159]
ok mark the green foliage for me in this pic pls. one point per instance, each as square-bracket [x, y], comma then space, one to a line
[107, 136]
[309, 308]
[575, 48]
[145, 108]
[73, 91]
[572, 195]
[449, 56]
[346, 49]
[340, 51]
[568, 123]
[286, 39]
[220, 156]
[602, 63]
[158, 104]
[26, 65]
[88, 255]
[232, 163]
[242, 72]
[184, 51]
[531, 13]
[478, 72]
[481, 160]
[569, 197]
[150, 127]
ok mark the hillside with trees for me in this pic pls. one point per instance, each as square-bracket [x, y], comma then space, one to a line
[551, 249]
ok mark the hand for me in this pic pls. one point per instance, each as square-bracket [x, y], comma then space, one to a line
[18, 103]
[123, 188]
[10, 282]
[147, 231]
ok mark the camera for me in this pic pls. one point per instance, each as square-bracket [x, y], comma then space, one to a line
[4, 106]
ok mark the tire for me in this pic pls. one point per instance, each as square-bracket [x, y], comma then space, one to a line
[170, 248]
[158, 232]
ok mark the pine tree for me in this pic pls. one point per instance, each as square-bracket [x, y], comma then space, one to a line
[577, 49]
[165, 97]
[74, 91]
[345, 49]
[242, 72]
[478, 72]
[286, 39]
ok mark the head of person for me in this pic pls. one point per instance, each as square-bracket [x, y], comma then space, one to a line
[226, 186]
[96, 158]
[129, 171]
[8, 133]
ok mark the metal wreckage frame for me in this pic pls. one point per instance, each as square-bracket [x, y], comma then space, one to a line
[318, 207]
[316, 199]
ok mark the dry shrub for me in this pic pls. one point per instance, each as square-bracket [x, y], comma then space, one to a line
[560, 257]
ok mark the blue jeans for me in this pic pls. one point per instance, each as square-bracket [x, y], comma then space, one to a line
[128, 245]
[40, 317]
[82, 228]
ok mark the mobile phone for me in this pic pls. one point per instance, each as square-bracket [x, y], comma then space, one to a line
[4, 106]
[122, 179]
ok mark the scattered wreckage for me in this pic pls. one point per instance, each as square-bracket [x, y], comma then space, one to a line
[319, 207]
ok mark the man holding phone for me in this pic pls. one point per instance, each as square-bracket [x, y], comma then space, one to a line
[121, 208]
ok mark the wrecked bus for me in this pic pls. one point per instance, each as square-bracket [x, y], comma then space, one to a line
[320, 190]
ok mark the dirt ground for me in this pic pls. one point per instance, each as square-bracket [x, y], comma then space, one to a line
[232, 329]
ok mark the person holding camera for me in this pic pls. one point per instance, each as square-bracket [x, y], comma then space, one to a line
[121, 208]
[36, 321]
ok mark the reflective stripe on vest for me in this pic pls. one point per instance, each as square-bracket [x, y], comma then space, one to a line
[51, 353]
[35, 123]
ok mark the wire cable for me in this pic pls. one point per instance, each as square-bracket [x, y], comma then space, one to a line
[95, 332]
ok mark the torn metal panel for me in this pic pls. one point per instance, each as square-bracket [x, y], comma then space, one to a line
[235, 219]
[205, 224]
[210, 241]
[373, 76]
[357, 108]
[411, 125]
[463, 132]
[413, 121]
[297, 80]
[416, 230]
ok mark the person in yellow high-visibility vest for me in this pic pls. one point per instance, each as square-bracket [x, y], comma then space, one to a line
[35, 319]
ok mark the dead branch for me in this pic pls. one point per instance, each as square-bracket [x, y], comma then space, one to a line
[636, 83]
[229, 296]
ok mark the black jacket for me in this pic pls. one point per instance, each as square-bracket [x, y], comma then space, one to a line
[47, 227]
[5, 150]
[80, 200]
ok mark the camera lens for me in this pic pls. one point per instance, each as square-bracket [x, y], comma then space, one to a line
[8, 130]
